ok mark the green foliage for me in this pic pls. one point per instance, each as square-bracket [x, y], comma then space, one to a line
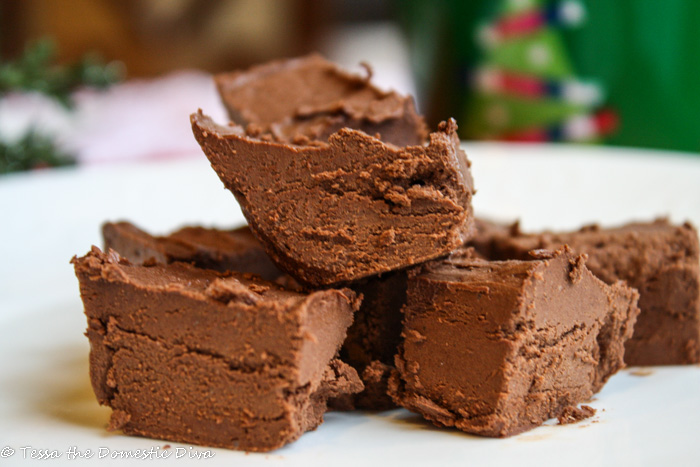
[32, 151]
[35, 71]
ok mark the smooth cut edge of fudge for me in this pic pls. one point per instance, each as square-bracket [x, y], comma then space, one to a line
[412, 205]
[659, 259]
[530, 364]
[262, 401]
[311, 97]
[177, 374]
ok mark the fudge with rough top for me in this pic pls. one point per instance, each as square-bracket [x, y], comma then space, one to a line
[218, 359]
[353, 207]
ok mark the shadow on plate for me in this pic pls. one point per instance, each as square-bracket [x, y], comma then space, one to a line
[412, 421]
[70, 398]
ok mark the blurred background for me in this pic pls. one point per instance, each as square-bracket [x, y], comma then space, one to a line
[95, 81]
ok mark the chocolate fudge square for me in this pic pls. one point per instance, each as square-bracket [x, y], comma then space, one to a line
[222, 250]
[217, 359]
[495, 348]
[372, 338]
[659, 259]
[353, 207]
[311, 97]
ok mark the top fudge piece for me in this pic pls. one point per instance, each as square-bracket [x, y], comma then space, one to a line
[221, 250]
[312, 97]
[353, 207]
[219, 359]
[498, 347]
[659, 259]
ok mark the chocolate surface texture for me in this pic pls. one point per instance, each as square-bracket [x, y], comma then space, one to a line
[371, 340]
[334, 212]
[310, 97]
[573, 414]
[659, 259]
[495, 348]
[208, 248]
[217, 359]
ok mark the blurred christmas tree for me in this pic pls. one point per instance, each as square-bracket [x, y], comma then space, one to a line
[35, 71]
[525, 87]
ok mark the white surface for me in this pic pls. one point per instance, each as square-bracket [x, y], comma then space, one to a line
[46, 400]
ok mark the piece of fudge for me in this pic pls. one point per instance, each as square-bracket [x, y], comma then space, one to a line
[311, 97]
[495, 348]
[354, 207]
[371, 339]
[659, 259]
[219, 359]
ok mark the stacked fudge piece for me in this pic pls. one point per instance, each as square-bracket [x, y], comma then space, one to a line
[362, 281]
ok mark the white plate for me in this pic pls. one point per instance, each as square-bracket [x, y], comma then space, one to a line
[647, 417]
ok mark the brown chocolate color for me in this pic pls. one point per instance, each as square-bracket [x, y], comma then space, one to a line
[375, 335]
[496, 348]
[217, 359]
[372, 338]
[208, 248]
[485, 232]
[573, 414]
[350, 208]
[312, 98]
[657, 258]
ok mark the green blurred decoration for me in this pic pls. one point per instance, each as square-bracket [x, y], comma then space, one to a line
[32, 151]
[36, 71]
[525, 88]
[623, 72]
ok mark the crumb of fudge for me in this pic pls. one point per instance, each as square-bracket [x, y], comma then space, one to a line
[573, 414]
